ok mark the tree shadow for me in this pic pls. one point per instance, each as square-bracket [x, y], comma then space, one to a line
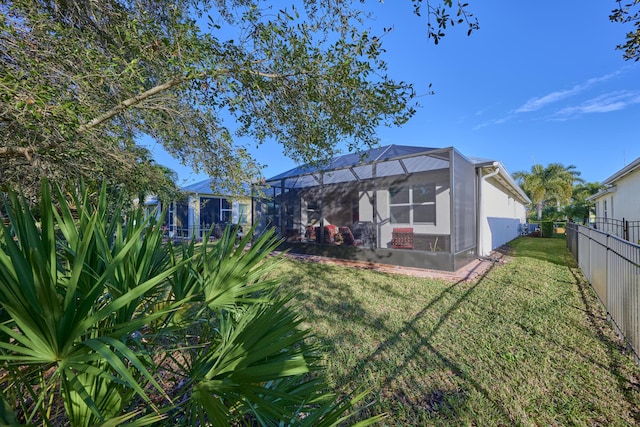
[616, 349]
[432, 399]
[411, 341]
[415, 349]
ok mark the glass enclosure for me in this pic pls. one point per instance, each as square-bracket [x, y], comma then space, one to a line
[399, 205]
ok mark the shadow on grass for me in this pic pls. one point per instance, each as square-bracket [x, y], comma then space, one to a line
[437, 401]
[414, 372]
[599, 325]
[435, 398]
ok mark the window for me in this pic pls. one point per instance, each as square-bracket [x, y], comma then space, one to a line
[400, 205]
[225, 211]
[243, 213]
[214, 210]
[613, 215]
[413, 205]
[313, 212]
[272, 217]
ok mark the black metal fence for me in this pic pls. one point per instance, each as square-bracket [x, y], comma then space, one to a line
[612, 265]
[626, 230]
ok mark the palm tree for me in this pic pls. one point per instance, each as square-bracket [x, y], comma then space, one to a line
[545, 183]
[580, 207]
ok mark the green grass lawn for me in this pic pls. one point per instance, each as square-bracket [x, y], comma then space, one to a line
[526, 344]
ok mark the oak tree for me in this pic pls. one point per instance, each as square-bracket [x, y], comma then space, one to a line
[82, 81]
[628, 13]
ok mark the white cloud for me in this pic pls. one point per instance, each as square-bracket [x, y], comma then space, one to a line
[606, 103]
[535, 104]
[538, 103]
[493, 122]
[612, 101]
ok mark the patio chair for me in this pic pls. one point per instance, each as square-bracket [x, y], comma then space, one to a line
[364, 233]
[402, 238]
[310, 233]
[330, 232]
[347, 236]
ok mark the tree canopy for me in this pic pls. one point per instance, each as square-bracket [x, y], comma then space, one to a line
[553, 182]
[628, 12]
[81, 81]
[580, 207]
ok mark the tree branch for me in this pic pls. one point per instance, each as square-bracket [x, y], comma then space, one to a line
[133, 101]
[8, 152]
[155, 90]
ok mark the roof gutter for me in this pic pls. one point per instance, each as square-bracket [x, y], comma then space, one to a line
[622, 172]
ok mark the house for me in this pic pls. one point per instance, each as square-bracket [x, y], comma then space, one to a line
[202, 208]
[617, 207]
[402, 205]
[621, 197]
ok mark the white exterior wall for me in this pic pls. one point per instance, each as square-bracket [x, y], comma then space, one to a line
[501, 217]
[624, 202]
[605, 205]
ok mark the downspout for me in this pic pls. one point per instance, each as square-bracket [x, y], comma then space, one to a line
[480, 220]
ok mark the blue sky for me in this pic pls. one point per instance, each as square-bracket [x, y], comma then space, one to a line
[540, 82]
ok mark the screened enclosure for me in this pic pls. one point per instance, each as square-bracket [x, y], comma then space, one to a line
[401, 205]
[202, 212]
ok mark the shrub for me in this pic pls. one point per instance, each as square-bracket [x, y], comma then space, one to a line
[105, 324]
[546, 228]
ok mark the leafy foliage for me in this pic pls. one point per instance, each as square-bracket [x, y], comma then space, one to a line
[550, 184]
[439, 17]
[103, 323]
[580, 207]
[81, 81]
[629, 13]
[546, 227]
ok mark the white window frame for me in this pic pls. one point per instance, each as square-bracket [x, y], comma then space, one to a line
[411, 204]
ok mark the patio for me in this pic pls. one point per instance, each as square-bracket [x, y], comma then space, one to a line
[400, 205]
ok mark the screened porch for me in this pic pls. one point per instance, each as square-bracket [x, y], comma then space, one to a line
[401, 205]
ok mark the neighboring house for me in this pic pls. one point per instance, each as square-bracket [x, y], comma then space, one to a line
[621, 197]
[201, 209]
[618, 205]
[401, 205]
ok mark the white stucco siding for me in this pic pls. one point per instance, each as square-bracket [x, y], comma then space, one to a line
[625, 202]
[501, 217]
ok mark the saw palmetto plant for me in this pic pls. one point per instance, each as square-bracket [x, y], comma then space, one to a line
[104, 323]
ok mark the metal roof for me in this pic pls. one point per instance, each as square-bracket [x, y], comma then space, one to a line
[390, 160]
[630, 168]
[204, 187]
[379, 154]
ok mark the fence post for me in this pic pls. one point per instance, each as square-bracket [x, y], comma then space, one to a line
[625, 229]
[607, 279]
